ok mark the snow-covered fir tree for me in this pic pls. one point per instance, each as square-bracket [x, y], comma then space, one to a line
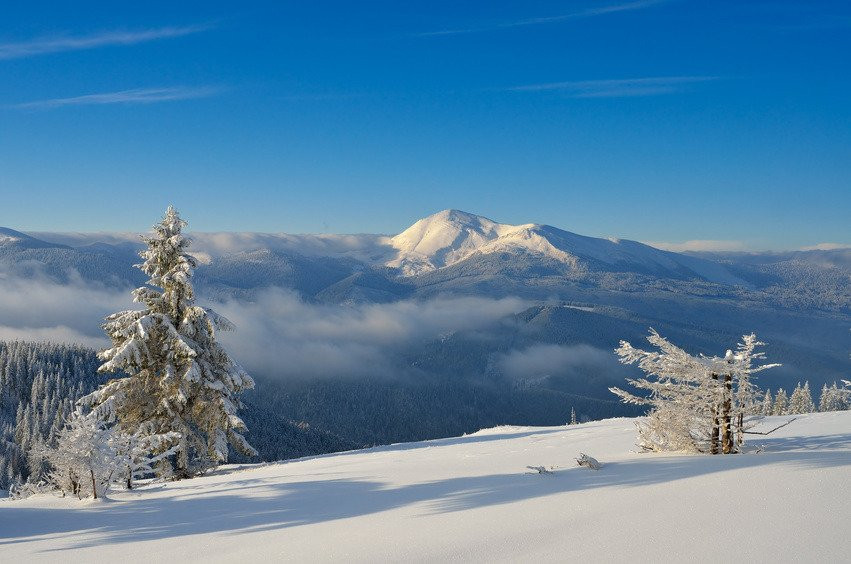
[573, 416]
[697, 403]
[801, 400]
[781, 403]
[179, 378]
[767, 404]
[833, 398]
[825, 400]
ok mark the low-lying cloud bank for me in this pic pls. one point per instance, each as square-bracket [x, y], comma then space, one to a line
[278, 334]
[43, 310]
[546, 360]
[281, 335]
[216, 244]
[698, 245]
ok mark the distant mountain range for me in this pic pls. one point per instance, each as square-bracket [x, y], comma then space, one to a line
[582, 290]
[453, 251]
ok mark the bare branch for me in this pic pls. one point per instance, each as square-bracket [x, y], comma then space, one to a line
[771, 431]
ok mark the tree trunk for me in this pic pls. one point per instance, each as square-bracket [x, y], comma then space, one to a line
[727, 446]
[182, 466]
[716, 424]
[94, 484]
[741, 429]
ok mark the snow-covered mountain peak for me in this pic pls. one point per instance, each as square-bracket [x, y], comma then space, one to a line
[450, 236]
[436, 231]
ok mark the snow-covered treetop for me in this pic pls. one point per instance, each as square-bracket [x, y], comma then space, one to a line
[169, 265]
[671, 361]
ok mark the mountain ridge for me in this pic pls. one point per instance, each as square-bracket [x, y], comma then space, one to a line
[800, 303]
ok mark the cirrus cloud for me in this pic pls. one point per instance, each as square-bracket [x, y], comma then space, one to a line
[579, 14]
[61, 43]
[134, 96]
[615, 88]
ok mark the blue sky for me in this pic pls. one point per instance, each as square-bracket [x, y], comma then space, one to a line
[649, 120]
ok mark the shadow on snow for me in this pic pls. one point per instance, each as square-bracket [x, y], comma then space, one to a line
[260, 504]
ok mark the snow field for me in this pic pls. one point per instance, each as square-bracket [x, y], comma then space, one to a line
[473, 499]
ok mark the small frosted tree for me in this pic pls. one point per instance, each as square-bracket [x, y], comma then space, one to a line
[781, 403]
[767, 403]
[179, 378]
[573, 416]
[844, 394]
[84, 462]
[801, 400]
[697, 403]
[833, 398]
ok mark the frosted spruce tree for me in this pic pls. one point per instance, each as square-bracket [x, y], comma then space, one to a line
[833, 398]
[781, 403]
[697, 403]
[179, 378]
[767, 404]
[801, 400]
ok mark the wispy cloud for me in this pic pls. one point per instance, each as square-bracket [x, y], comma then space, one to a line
[826, 247]
[615, 88]
[705, 245]
[57, 44]
[587, 13]
[136, 96]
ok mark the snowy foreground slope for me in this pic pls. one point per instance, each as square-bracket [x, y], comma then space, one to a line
[471, 498]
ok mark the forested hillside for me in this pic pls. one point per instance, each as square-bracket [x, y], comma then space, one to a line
[39, 383]
[293, 417]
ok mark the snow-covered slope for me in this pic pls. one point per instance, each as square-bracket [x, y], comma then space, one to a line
[473, 499]
[22, 240]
